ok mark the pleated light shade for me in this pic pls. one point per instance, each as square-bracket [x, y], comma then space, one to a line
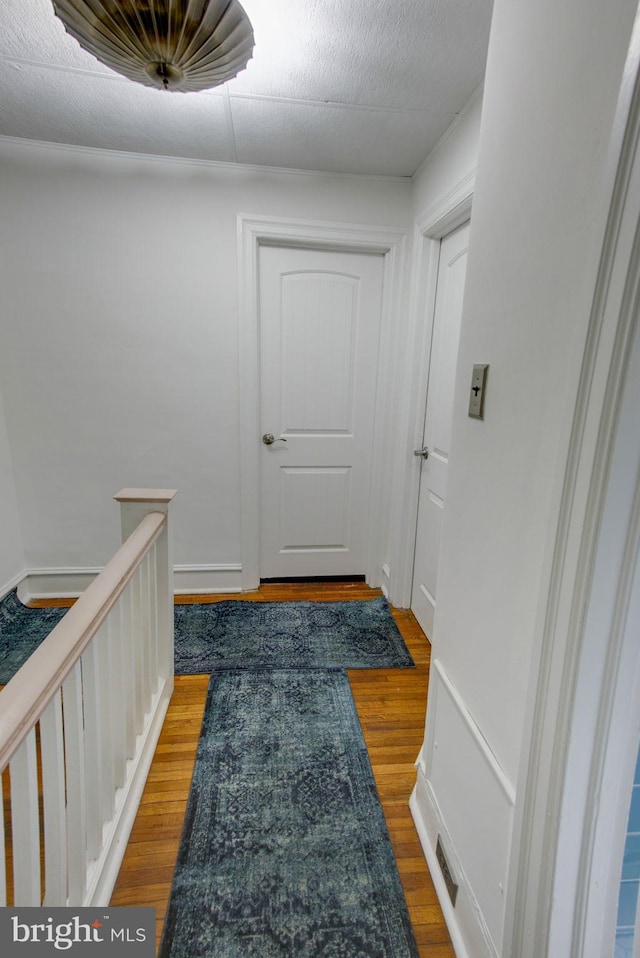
[184, 45]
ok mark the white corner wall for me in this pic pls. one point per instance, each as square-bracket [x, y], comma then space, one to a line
[448, 168]
[452, 160]
[551, 87]
[11, 552]
[120, 365]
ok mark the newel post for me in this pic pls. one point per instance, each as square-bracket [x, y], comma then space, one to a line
[135, 504]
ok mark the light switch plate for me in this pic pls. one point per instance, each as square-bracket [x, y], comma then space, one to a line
[478, 389]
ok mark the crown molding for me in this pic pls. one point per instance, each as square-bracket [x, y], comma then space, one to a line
[113, 156]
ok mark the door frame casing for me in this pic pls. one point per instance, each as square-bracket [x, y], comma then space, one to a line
[257, 231]
[445, 215]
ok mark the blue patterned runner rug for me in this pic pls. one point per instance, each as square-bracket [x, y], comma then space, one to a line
[21, 632]
[237, 634]
[285, 851]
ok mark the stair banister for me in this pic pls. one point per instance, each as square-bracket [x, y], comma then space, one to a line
[86, 709]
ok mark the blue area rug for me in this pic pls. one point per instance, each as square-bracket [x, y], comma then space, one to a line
[285, 851]
[236, 634]
[21, 632]
[240, 634]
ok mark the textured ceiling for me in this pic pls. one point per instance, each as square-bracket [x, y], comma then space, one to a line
[353, 86]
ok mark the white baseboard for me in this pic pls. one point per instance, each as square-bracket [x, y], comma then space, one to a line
[70, 583]
[207, 579]
[469, 934]
[55, 583]
[417, 806]
[9, 586]
[464, 795]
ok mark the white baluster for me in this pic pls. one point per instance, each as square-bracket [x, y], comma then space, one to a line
[25, 823]
[128, 672]
[138, 654]
[3, 853]
[105, 723]
[76, 779]
[153, 624]
[151, 657]
[53, 792]
[164, 566]
[143, 636]
[92, 704]
[117, 682]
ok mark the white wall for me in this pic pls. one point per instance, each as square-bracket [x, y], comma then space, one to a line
[551, 87]
[454, 157]
[11, 552]
[121, 366]
[448, 168]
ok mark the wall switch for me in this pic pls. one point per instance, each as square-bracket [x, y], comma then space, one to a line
[478, 389]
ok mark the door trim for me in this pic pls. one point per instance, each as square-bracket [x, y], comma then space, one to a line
[450, 211]
[257, 231]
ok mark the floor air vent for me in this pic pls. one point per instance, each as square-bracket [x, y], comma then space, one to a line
[452, 888]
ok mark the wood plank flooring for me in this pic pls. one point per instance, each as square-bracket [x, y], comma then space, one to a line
[391, 704]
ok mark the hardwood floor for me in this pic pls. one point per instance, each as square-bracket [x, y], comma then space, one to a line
[391, 704]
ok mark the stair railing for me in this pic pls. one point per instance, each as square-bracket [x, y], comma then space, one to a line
[80, 720]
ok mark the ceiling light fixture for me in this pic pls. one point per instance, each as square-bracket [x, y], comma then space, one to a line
[184, 45]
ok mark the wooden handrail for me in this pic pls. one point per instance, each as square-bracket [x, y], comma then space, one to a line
[27, 694]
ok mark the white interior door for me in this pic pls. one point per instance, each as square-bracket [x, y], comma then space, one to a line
[320, 316]
[437, 426]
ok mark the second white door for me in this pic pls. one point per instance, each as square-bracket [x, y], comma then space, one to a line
[320, 316]
[437, 428]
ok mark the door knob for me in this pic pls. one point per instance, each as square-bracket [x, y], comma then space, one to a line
[268, 439]
[421, 453]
